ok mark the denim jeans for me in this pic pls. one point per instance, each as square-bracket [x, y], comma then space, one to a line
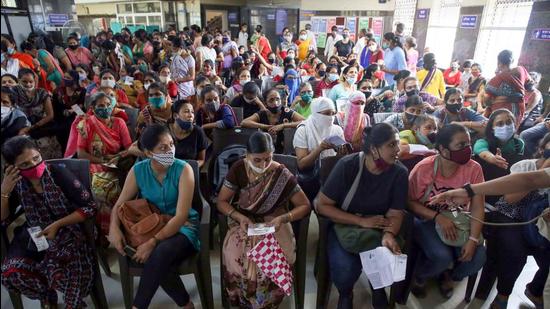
[436, 256]
[345, 269]
[532, 136]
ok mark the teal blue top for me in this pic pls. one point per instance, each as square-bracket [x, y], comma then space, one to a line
[165, 195]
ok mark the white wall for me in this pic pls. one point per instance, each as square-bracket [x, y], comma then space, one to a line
[347, 5]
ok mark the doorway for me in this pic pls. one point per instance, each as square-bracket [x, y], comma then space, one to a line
[216, 19]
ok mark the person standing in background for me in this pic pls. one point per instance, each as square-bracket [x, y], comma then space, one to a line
[395, 59]
[333, 37]
[311, 37]
[400, 32]
[242, 40]
[412, 54]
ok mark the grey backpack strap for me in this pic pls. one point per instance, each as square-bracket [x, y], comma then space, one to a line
[426, 195]
[355, 184]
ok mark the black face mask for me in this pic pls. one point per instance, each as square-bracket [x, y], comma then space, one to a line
[410, 117]
[367, 93]
[322, 73]
[453, 108]
[73, 47]
[272, 60]
[431, 137]
[274, 109]
[412, 92]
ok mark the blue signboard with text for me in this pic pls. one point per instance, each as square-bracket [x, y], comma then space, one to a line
[422, 13]
[468, 21]
[58, 19]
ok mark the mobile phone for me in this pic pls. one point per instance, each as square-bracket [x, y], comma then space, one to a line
[129, 251]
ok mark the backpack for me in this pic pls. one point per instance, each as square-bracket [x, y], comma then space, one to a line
[224, 161]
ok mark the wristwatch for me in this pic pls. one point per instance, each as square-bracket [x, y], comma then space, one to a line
[469, 190]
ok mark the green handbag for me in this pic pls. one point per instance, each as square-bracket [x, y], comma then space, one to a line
[356, 239]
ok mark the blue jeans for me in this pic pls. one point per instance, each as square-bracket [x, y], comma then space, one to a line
[437, 256]
[532, 137]
[345, 269]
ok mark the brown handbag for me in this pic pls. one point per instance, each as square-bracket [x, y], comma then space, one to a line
[141, 221]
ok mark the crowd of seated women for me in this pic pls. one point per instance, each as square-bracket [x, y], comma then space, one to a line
[139, 106]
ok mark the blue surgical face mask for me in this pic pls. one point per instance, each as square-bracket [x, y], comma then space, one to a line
[184, 124]
[505, 132]
[546, 154]
[332, 77]
[351, 79]
[157, 102]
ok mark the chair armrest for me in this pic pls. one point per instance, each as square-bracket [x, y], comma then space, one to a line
[204, 229]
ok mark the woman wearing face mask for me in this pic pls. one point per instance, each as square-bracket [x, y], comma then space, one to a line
[353, 120]
[311, 146]
[37, 105]
[249, 100]
[142, 47]
[9, 80]
[54, 200]
[452, 75]
[25, 61]
[411, 87]
[242, 77]
[78, 54]
[430, 77]
[64, 97]
[158, 108]
[182, 68]
[85, 76]
[507, 248]
[475, 88]
[286, 44]
[375, 75]
[395, 58]
[190, 140]
[255, 182]
[533, 102]
[212, 114]
[371, 54]
[230, 51]
[103, 139]
[330, 80]
[319, 74]
[507, 88]
[178, 239]
[292, 83]
[466, 74]
[346, 86]
[274, 119]
[454, 112]
[384, 181]
[205, 51]
[372, 104]
[414, 106]
[13, 119]
[131, 87]
[344, 47]
[304, 45]
[302, 103]
[262, 43]
[423, 132]
[451, 168]
[8, 64]
[500, 146]
[209, 71]
[107, 79]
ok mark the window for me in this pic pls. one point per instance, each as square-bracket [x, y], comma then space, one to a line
[442, 30]
[503, 21]
[147, 7]
[9, 3]
[141, 20]
[124, 8]
[154, 20]
[404, 13]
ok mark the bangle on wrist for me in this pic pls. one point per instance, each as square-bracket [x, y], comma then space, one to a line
[290, 218]
[5, 195]
[469, 190]
[231, 212]
[475, 240]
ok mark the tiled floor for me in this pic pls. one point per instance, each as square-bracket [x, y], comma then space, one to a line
[361, 299]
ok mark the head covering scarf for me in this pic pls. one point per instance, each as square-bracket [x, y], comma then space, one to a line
[293, 85]
[354, 119]
[319, 126]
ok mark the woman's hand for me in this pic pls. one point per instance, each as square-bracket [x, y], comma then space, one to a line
[11, 177]
[116, 238]
[448, 227]
[276, 128]
[456, 195]
[498, 160]
[277, 222]
[389, 242]
[244, 222]
[144, 250]
[375, 222]
[324, 146]
[468, 251]
[50, 231]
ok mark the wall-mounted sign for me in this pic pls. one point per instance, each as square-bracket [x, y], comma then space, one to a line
[306, 15]
[541, 34]
[58, 19]
[270, 16]
[422, 13]
[468, 21]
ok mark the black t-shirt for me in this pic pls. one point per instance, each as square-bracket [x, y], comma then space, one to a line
[375, 194]
[344, 49]
[189, 147]
[249, 109]
[285, 117]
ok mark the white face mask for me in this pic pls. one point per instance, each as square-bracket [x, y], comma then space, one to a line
[257, 170]
[108, 83]
[505, 132]
[146, 86]
[288, 37]
[243, 81]
[82, 76]
[164, 79]
[166, 159]
[324, 120]
[303, 37]
[6, 111]
[372, 47]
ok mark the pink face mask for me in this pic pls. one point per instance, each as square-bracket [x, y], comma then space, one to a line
[34, 172]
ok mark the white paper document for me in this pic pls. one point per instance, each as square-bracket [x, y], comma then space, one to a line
[77, 110]
[40, 241]
[419, 149]
[260, 229]
[382, 267]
